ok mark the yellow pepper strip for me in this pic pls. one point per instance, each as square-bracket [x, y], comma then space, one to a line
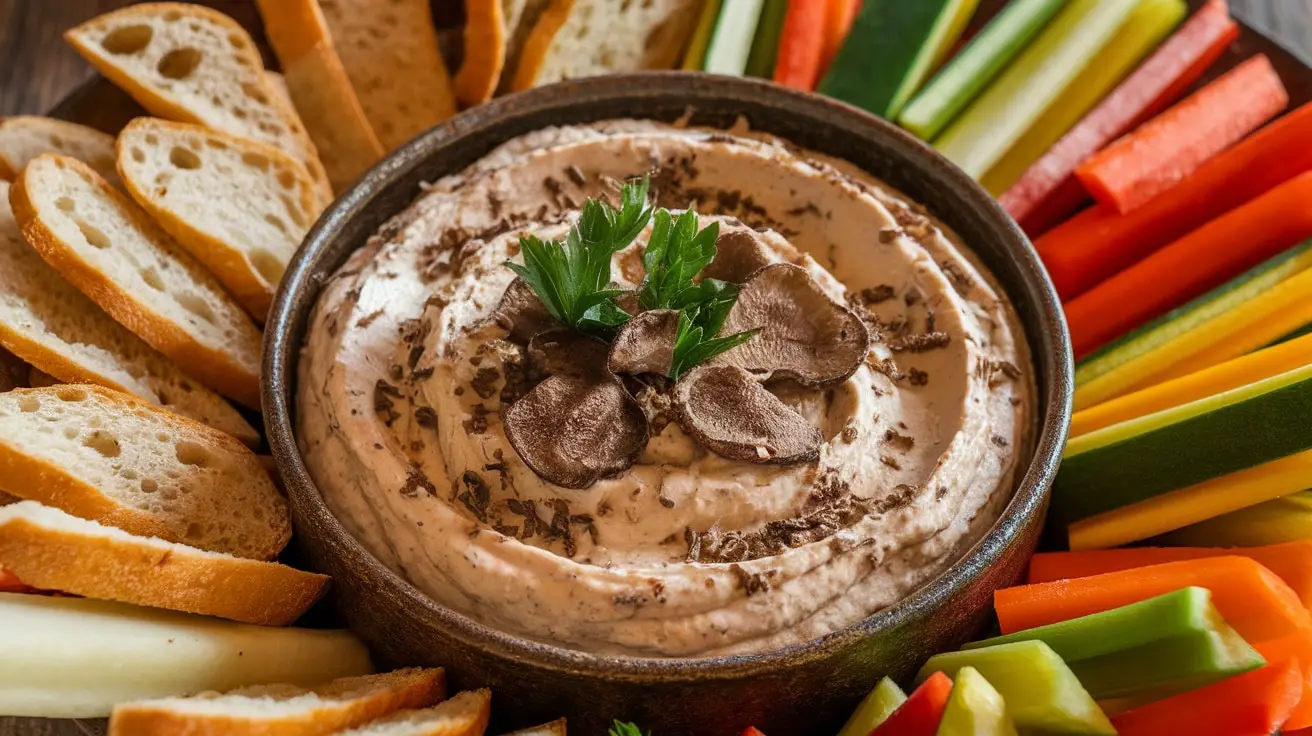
[1194, 504]
[1150, 22]
[1280, 520]
[1265, 363]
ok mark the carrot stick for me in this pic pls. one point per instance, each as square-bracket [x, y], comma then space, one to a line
[1099, 242]
[1253, 704]
[801, 44]
[1170, 147]
[1221, 249]
[1291, 561]
[1254, 600]
[838, 21]
[1049, 184]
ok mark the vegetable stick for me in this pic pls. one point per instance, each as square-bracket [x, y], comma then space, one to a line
[1229, 375]
[1196, 503]
[1280, 520]
[922, 711]
[1048, 192]
[695, 57]
[762, 60]
[1255, 703]
[801, 44]
[1150, 22]
[838, 21]
[1206, 257]
[731, 41]
[1099, 242]
[1291, 561]
[1173, 145]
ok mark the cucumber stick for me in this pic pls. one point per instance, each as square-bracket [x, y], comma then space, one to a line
[695, 57]
[1148, 650]
[979, 63]
[731, 41]
[975, 708]
[1151, 21]
[874, 709]
[765, 47]
[1041, 692]
[1152, 455]
[998, 118]
[891, 49]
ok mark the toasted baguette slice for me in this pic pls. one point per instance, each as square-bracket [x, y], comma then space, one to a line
[109, 457]
[283, 710]
[186, 62]
[465, 714]
[65, 336]
[555, 728]
[24, 137]
[485, 51]
[51, 550]
[521, 17]
[584, 38]
[241, 208]
[321, 88]
[114, 253]
[389, 50]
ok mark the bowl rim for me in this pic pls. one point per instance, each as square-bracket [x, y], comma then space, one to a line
[298, 293]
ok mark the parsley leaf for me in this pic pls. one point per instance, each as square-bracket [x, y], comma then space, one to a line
[625, 729]
[572, 277]
[676, 252]
[702, 313]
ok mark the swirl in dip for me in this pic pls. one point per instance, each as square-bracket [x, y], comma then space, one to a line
[407, 371]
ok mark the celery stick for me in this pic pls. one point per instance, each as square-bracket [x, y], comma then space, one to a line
[701, 38]
[992, 125]
[874, 709]
[975, 708]
[979, 63]
[1042, 693]
[1146, 650]
[765, 47]
[731, 42]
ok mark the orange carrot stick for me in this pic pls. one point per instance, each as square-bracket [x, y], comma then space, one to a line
[1201, 260]
[1291, 561]
[1099, 242]
[1253, 704]
[838, 21]
[1170, 147]
[801, 44]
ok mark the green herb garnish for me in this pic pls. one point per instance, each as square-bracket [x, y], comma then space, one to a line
[626, 729]
[676, 252]
[572, 277]
[700, 321]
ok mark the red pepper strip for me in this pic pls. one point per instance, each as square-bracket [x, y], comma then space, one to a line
[801, 44]
[1257, 703]
[922, 712]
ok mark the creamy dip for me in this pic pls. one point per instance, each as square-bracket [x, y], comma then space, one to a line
[405, 372]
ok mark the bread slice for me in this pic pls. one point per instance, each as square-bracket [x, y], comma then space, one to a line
[465, 714]
[185, 62]
[37, 378]
[283, 710]
[484, 51]
[114, 253]
[109, 457]
[321, 88]
[555, 728]
[389, 50]
[65, 336]
[583, 38]
[521, 17]
[51, 550]
[241, 208]
[24, 137]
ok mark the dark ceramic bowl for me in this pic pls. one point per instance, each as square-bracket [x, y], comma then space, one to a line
[804, 689]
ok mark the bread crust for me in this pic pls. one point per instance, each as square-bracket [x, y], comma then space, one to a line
[485, 52]
[152, 718]
[321, 89]
[215, 368]
[539, 44]
[178, 579]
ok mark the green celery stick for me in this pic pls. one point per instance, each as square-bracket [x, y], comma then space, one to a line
[979, 63]
[1041, 692]
[1020, 96]
[765, 47]
[874, 709]
[975, 708]
[1148, 650]
[731, 42]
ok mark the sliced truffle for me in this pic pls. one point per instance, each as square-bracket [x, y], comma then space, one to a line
[573, 431]
[738, 254]
[730, 413]
[563, 352]
[805, 335]
[521, 313]
[645, 344]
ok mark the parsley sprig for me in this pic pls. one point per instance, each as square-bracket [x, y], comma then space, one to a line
[572, 277]
[625, 729]
[700, 322]
[676, 252]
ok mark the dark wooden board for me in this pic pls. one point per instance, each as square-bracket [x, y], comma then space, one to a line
[25, 85]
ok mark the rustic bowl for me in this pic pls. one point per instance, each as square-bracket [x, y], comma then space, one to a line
[803, 689]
